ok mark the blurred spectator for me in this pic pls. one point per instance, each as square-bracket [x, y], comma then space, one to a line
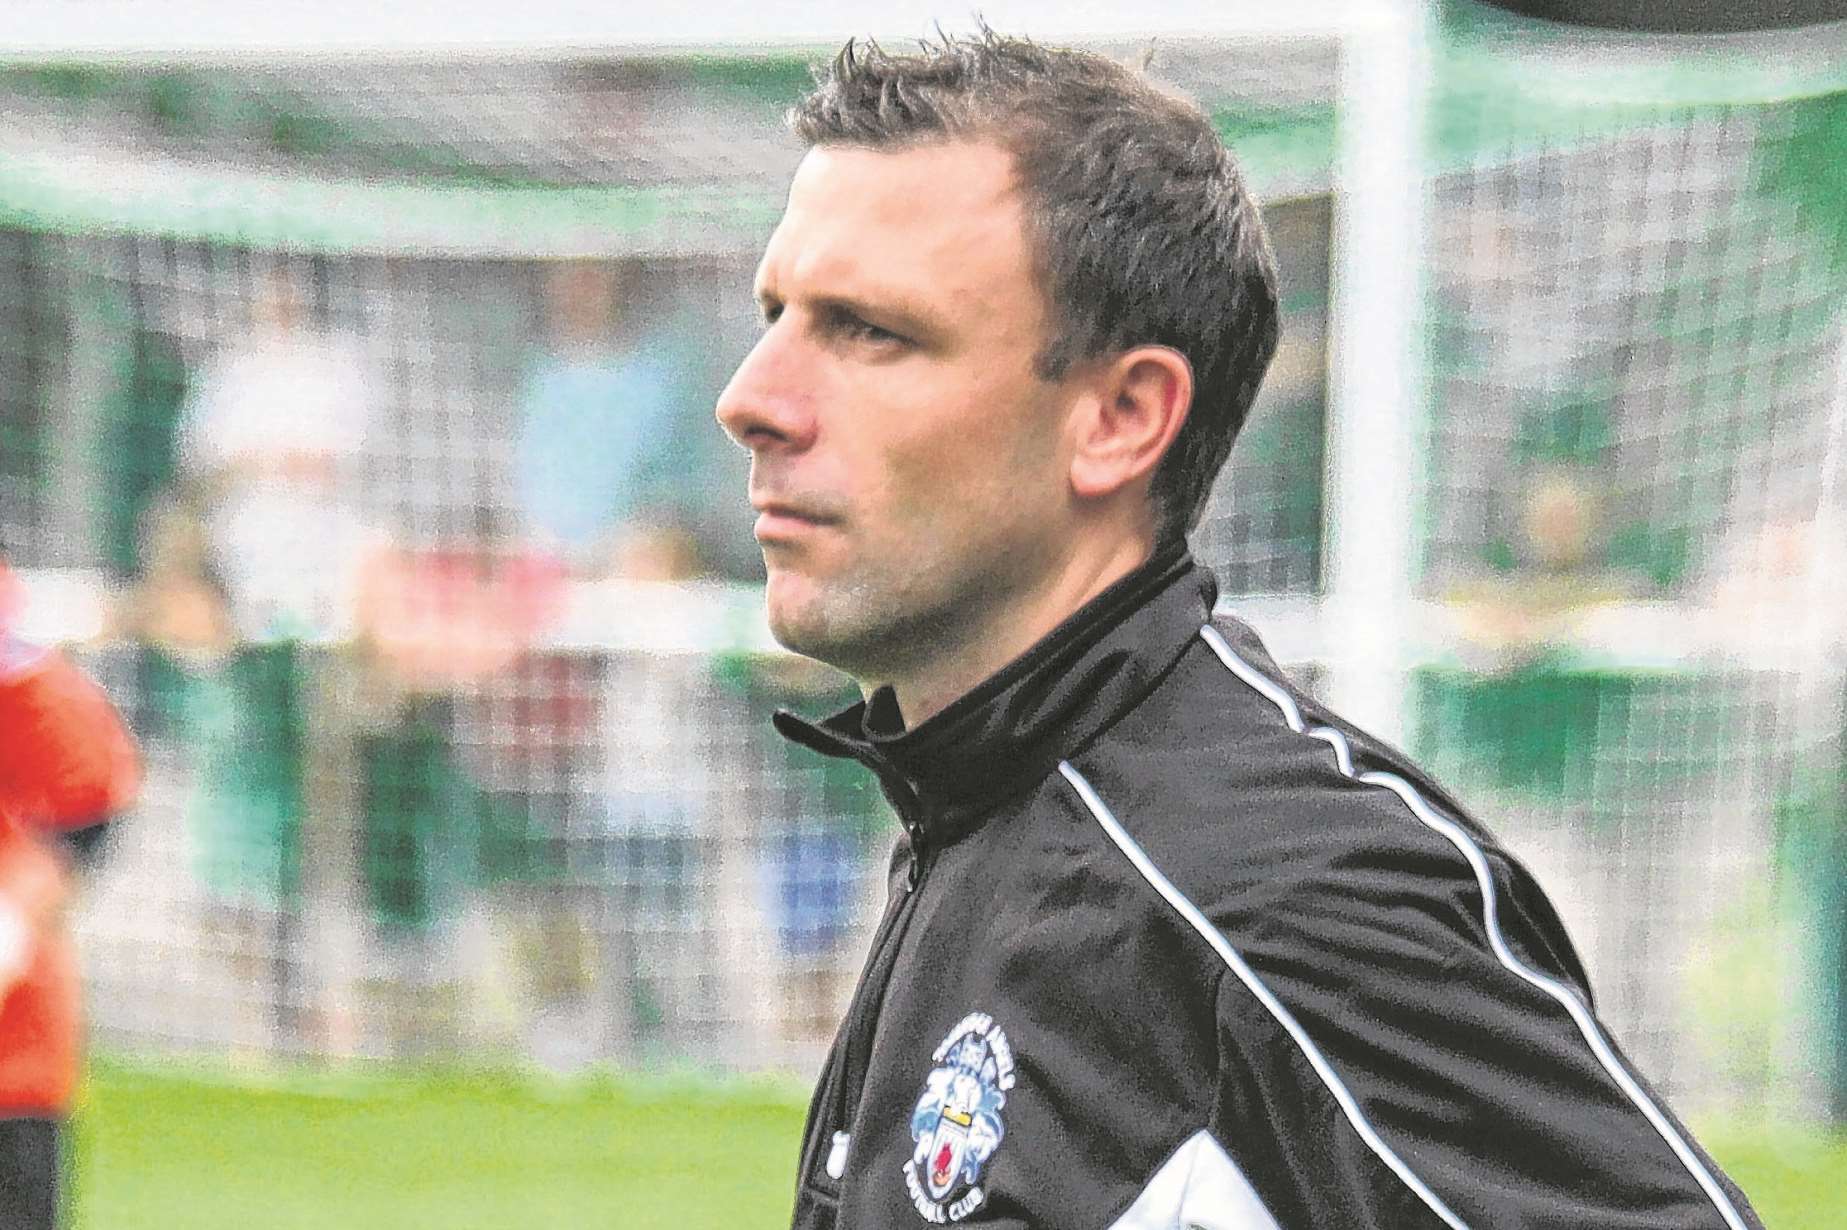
[446, 632]
[233, 706]
[177, 613]
[67, 765]
[1558, 555]
[272, 426]
[269, 436]
[227, 703]
[223, 720]
[457, 794]
[639, 831]
[597, 413]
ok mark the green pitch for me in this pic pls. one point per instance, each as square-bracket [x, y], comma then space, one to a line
[168, 1150]
[177, 1150]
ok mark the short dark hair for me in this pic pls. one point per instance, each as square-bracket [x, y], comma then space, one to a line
[1142, 229]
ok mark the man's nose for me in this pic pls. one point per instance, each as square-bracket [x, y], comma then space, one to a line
[769, 402]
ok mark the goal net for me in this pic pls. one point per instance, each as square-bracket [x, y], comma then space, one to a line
[1634, 524]
[355, 417]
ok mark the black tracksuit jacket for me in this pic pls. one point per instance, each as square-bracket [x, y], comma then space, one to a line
[1170, 946]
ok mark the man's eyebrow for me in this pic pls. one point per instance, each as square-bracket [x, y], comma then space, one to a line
[893, 312]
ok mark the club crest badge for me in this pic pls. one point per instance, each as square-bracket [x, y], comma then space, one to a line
[957, 1125]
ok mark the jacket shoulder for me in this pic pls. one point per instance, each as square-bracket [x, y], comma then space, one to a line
[1380, 937]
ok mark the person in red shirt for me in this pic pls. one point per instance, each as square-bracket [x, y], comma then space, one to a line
[67, 765]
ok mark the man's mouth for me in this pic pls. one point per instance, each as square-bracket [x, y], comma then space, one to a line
[780, 521]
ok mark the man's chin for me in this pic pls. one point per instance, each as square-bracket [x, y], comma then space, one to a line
[799, 620]
[790, 605]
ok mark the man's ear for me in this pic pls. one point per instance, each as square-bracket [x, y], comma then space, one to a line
[1142, 399]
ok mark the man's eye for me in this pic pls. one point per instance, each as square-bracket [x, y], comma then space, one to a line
[855, 329]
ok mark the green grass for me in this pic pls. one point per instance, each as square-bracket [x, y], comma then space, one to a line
[1797, 1179]
[177, 1149]
[169, 1149]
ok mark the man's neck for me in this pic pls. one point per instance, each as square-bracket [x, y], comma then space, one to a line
[1009, 631]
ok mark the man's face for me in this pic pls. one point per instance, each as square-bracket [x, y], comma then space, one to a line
[907, 463]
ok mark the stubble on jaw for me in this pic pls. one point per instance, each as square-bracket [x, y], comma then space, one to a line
[868, 629]
[923, 635]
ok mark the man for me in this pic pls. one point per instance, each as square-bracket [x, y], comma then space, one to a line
[67, 764]
[270, 432]
[1168, 945]
[595, 402]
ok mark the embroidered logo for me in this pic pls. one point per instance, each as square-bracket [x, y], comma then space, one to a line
[957, 1124]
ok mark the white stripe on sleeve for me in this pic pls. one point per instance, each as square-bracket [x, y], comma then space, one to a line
[1349, 1105]
[1471, 851]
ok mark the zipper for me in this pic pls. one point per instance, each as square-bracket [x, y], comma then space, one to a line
[864, 1011]
[904, 799]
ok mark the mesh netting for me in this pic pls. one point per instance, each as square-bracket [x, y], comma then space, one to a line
[418, 786]
[1635, 536]
[449, 759]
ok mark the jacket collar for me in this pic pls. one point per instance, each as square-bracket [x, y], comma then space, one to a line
[1013, 728]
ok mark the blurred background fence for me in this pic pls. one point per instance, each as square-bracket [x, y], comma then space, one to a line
[355, 420]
